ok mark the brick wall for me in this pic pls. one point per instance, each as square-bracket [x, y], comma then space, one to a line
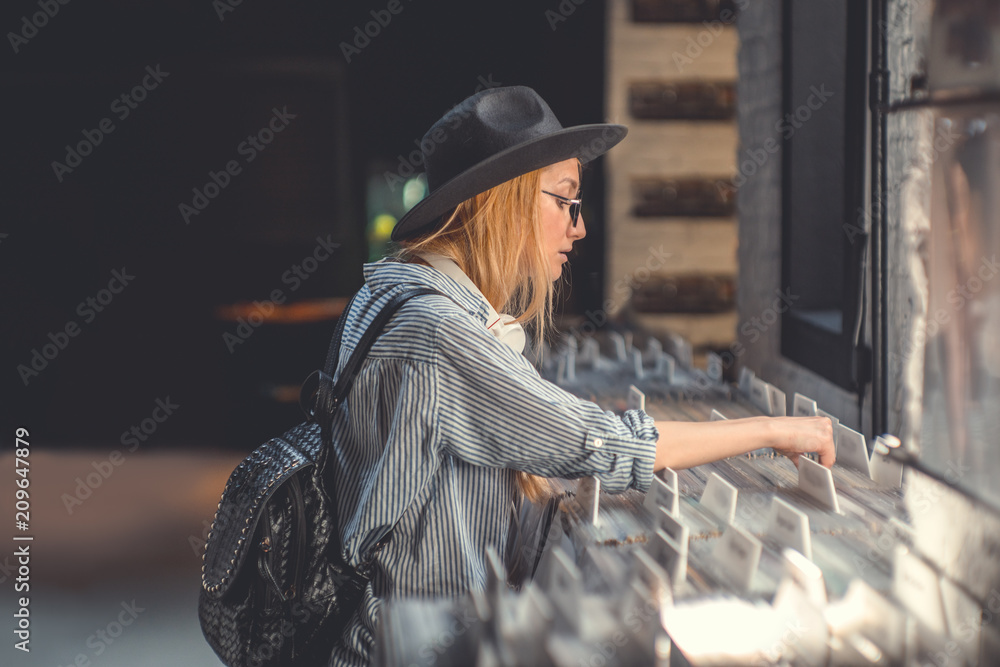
[668, 52]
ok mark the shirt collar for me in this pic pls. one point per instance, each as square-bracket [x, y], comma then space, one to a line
[445, 275]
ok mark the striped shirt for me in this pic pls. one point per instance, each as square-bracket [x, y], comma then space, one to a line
[440, 417]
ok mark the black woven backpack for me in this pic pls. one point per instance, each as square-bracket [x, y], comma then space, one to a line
[275, 590]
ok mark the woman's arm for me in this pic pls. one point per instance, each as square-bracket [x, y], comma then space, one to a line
[688, 444]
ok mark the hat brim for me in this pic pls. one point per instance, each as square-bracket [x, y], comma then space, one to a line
[584, 142]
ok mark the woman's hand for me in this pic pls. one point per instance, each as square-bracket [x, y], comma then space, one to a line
[793, 436]
[689, 444]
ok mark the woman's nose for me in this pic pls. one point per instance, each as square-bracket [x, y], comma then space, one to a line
[580, 230]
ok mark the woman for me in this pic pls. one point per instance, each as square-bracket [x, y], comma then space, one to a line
[450, 425]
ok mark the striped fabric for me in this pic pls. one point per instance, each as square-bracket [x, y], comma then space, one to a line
[440, 417]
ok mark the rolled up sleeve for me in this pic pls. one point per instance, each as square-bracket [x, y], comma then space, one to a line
[495, 410]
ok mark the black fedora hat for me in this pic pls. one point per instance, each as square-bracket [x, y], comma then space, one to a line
[492, 137]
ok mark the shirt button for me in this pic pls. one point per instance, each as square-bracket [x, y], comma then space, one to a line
[598, 442]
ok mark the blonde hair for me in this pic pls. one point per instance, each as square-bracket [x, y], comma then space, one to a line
[495, 238]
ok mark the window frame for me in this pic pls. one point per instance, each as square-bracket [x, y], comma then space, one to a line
[836, 356]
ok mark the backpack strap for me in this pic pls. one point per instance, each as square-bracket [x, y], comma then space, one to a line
[320, 401]
[326, 397]
[353, 365]
[308, 394]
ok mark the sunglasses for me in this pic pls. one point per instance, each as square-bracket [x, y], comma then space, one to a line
[574, 205]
